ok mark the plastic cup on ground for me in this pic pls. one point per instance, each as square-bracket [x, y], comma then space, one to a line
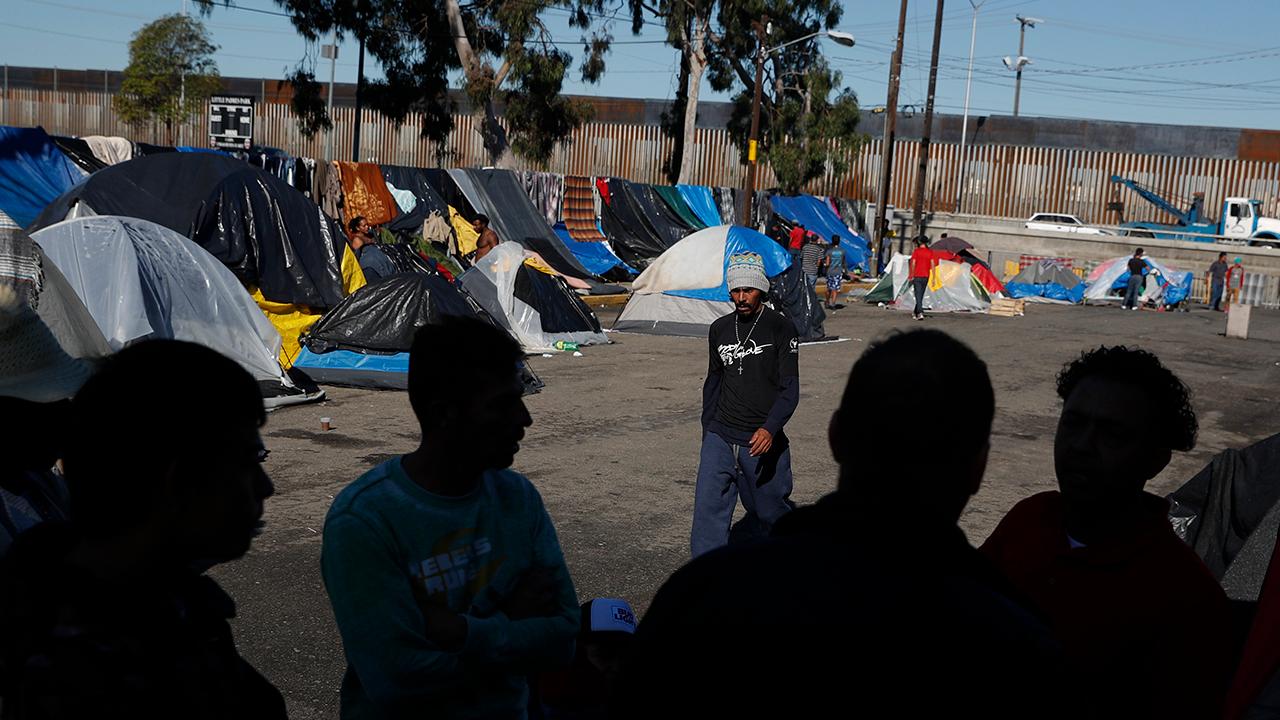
[326, 424]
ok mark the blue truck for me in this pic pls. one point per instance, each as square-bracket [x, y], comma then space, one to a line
[1241, 220]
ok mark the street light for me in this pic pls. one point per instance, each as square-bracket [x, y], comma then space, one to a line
[968, 84]
[1023, 60]
[762, 29]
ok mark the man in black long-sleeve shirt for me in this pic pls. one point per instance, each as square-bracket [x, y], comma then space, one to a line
[751, 390]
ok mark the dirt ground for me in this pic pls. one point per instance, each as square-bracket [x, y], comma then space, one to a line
[614, 451]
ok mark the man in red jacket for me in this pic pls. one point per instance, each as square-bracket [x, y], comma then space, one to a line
[1099, 557]
[922, 262]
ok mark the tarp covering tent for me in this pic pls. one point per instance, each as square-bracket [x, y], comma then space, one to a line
[427, 203]
[1046, 280]
[383, 316]
[674, 200]
[1229, 513]
[670, 226]
[499, 194]
[270, 235]
[580, 210]
[27, 271]
[819, 217]
[952, 288]
[702, 202]
[79, 152]
[1166, 284]
[364, 194]
[684, 290]
[536, 308]
[141, 280]
[625, 222]
[597, 257]
[33, 172]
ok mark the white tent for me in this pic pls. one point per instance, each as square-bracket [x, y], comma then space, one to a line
[141, 280]
[952, 288]
[683, 291]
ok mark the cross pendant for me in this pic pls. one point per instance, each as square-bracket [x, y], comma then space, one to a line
[739, 367]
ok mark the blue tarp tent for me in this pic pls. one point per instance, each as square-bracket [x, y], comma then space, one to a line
[1165, 284]
[702, 202]
[33, 172]
[1046, 279]
[818, 216]
[594, 256]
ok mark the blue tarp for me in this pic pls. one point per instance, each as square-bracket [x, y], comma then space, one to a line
[343, 367]
[33, 173]
[702, 202]
[1052, 291]
[594, 256]
[740, 239]
[817, 215]
[1179, 283]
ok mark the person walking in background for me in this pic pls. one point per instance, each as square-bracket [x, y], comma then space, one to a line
[795, 241]
[1235, 282]
[811, 259]
[446, 578]
[1217, 277]
[1099, 558]
[834, 267]
[922, 263]
[752, 389]
[1137, 276]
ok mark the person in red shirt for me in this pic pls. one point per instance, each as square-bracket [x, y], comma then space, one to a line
[922, 262]
[1142, 620]
[795, 239]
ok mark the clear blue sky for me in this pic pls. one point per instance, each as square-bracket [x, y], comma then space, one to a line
[1169, 61]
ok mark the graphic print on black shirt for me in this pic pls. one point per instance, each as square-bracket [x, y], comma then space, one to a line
[768, 358]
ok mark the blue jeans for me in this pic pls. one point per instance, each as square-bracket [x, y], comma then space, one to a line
[1215, 292]
[812, 282]
[919, 285]
[1132, 291]
[726, 471]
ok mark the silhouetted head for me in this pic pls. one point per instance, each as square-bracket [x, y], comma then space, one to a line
[465, 389]
[1137, 253]
[882, 435]
[1123, 414]
[166, 437]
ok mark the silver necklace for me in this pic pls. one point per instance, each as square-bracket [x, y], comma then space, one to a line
[741, 355]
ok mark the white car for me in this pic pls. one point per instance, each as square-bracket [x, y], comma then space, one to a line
[1061, 223]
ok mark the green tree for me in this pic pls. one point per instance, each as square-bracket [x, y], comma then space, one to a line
[808, 123]
[510, 66]
[170, 76]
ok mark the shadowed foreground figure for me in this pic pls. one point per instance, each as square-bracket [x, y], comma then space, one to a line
[1143, 623]
[442, 565]
[870, 603]
[111, 614]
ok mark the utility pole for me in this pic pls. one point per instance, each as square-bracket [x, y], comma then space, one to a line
[331, 52]
[923, 171]
[1022, 61]
[968, 84]
[886, 150]
[355, 135]
[749, 188]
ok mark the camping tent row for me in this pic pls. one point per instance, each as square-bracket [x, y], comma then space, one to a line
[1050, 281]
[289, 255]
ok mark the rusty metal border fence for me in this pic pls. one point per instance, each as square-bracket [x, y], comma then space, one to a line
[999, 180]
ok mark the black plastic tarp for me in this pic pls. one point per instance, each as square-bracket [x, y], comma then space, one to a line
[79, 152]
[559, 309]
[415, 181]
[665, 221]
[789, 290]
[382, 317]
[268, 234]
[499, 194]
[623, 220]
[1229, 513]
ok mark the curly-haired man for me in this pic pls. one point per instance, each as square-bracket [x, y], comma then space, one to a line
[1144, 624]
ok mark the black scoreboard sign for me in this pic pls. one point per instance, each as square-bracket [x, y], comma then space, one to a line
[231, 122]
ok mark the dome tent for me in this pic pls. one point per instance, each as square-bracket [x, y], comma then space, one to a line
[140, 280]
